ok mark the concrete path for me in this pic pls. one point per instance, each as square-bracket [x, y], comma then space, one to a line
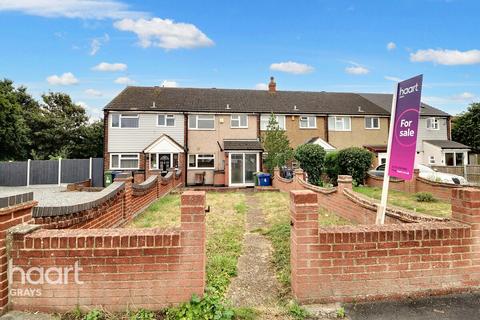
[256, 284]
[17, 315]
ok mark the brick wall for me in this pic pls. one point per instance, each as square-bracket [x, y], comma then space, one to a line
[120, 268]
[354, 263]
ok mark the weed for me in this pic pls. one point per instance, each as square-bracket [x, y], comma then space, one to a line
[245, 313]
[424, 197]
[94, 314]
[143, 314]
[341, 312]
[297, 311]
[209, 307]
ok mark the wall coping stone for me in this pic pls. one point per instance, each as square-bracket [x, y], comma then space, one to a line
[13, 200]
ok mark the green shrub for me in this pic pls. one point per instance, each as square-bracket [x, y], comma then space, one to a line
[311, 157]
[331, 166]
[341, 312]
[355, 162]
[209, 307]
[95, 314]
[143, 314]
[424, 197]
[297, 311]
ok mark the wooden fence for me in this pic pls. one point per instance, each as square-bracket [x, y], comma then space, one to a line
[470, 172]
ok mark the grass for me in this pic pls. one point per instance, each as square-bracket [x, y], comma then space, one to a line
[225, 224]
[438, 208]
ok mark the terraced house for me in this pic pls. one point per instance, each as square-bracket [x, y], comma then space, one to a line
[214, 135]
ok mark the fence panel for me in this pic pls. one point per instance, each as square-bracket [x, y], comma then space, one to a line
[472, 175]
[43, 172]
[75, 170]
[13, 174]
[97, 172]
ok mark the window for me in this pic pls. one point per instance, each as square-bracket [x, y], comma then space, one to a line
[432, 124]
[431, 160]
[372, 123]
[201, 122]
[450, 159]
[308, 122]
[264, 119]
[201, 161]
[124, 161]
[459, 158]
[166, 120]
[239, 121]
[337, 123]
[124, 120]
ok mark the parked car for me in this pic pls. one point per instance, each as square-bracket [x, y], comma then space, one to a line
[427, 173]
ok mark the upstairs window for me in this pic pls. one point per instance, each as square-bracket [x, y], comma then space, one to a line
[337, 123]
[308, 122]
[201, 121]
[124, 120]
[264, 119]
[432, 124]
[372, 123]
[166, 120]
[239, 121]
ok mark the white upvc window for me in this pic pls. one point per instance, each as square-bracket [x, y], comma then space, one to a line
[432, 124]
[308, 122]
[265, 118]
[431, 160]
[372, 123]
[201, 161]
[124, 161]
[239, 121]
[166, 120]
[124, 120]
[339, 123]
[201, 121]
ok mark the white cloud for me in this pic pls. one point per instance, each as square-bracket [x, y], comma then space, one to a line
[110, 67]
[93, 93]
[65, 79]
[391, 46]
[124, 80]
[97, 43]
[90, 9]
[394, 79]
[165, 33]
[261, 86]
[169, 84]
[95, 113]
[446, 57]
[464, 96]
[292, 67]
[356, 69]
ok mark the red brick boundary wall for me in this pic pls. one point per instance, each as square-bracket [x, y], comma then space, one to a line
[417, 184]
[120, 268]
[364, 262]
[346, 203]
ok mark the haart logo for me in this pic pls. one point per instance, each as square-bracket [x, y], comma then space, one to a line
[408, 90]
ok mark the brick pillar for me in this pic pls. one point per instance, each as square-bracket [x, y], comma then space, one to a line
[344, 182]
[193, 239]
[303, 240]
[410, 186]
[276, 172]
[14, 210]
[128, 194]
[466, 209]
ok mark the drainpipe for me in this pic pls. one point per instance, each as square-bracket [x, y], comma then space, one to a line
[325, 120]
[185, 143]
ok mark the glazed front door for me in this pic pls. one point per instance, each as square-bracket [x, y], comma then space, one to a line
[164, 163]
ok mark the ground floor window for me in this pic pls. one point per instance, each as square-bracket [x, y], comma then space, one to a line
[201, 161]
[163, 161]
[454, 158]
[124, 161]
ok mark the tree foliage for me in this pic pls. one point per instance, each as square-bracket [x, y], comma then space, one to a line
[311, 157]
[54, 127]
[331, 167]
[466, 127]
[276, 145]
[354, 162]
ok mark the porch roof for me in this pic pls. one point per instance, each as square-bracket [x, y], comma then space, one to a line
[242, 145]
[447, 144]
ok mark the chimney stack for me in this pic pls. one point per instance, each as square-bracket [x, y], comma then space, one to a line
[272, 86]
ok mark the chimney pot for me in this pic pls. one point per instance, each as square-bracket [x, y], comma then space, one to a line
[272, 86]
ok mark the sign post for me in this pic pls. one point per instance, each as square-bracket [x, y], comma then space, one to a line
[402, 137]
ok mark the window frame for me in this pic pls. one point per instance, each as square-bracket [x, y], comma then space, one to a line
[430, 159]
[196, 121]
[204, 156]
[120, 117]
[120, 155]
[336, 120]
[166, 117]
[308, 122]
[435, 121]
[239, 121]
[371, 122]
[268, 118]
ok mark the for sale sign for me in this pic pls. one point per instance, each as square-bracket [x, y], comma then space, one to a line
[403, 143]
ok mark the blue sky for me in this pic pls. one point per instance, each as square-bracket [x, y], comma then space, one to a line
[93, 49]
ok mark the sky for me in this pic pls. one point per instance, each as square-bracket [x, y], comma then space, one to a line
[93, 49]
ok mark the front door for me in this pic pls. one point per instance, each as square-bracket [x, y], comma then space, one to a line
[164, 163]
[242, 167]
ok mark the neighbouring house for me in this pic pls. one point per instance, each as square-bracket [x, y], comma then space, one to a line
[214, 135]
[434, 133]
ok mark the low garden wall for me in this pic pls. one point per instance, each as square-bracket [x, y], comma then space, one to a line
[346, 203]
[355, 263]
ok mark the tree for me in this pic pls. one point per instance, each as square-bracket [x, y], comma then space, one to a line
[354, 162]
[466, 128]
[88, 141]
[276, 145]
[331, 166]
[311, 157]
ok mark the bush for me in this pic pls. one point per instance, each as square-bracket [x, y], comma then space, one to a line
[355, 162]
[424, 197]
[331, 166]
[311, 157]
[207, 308]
